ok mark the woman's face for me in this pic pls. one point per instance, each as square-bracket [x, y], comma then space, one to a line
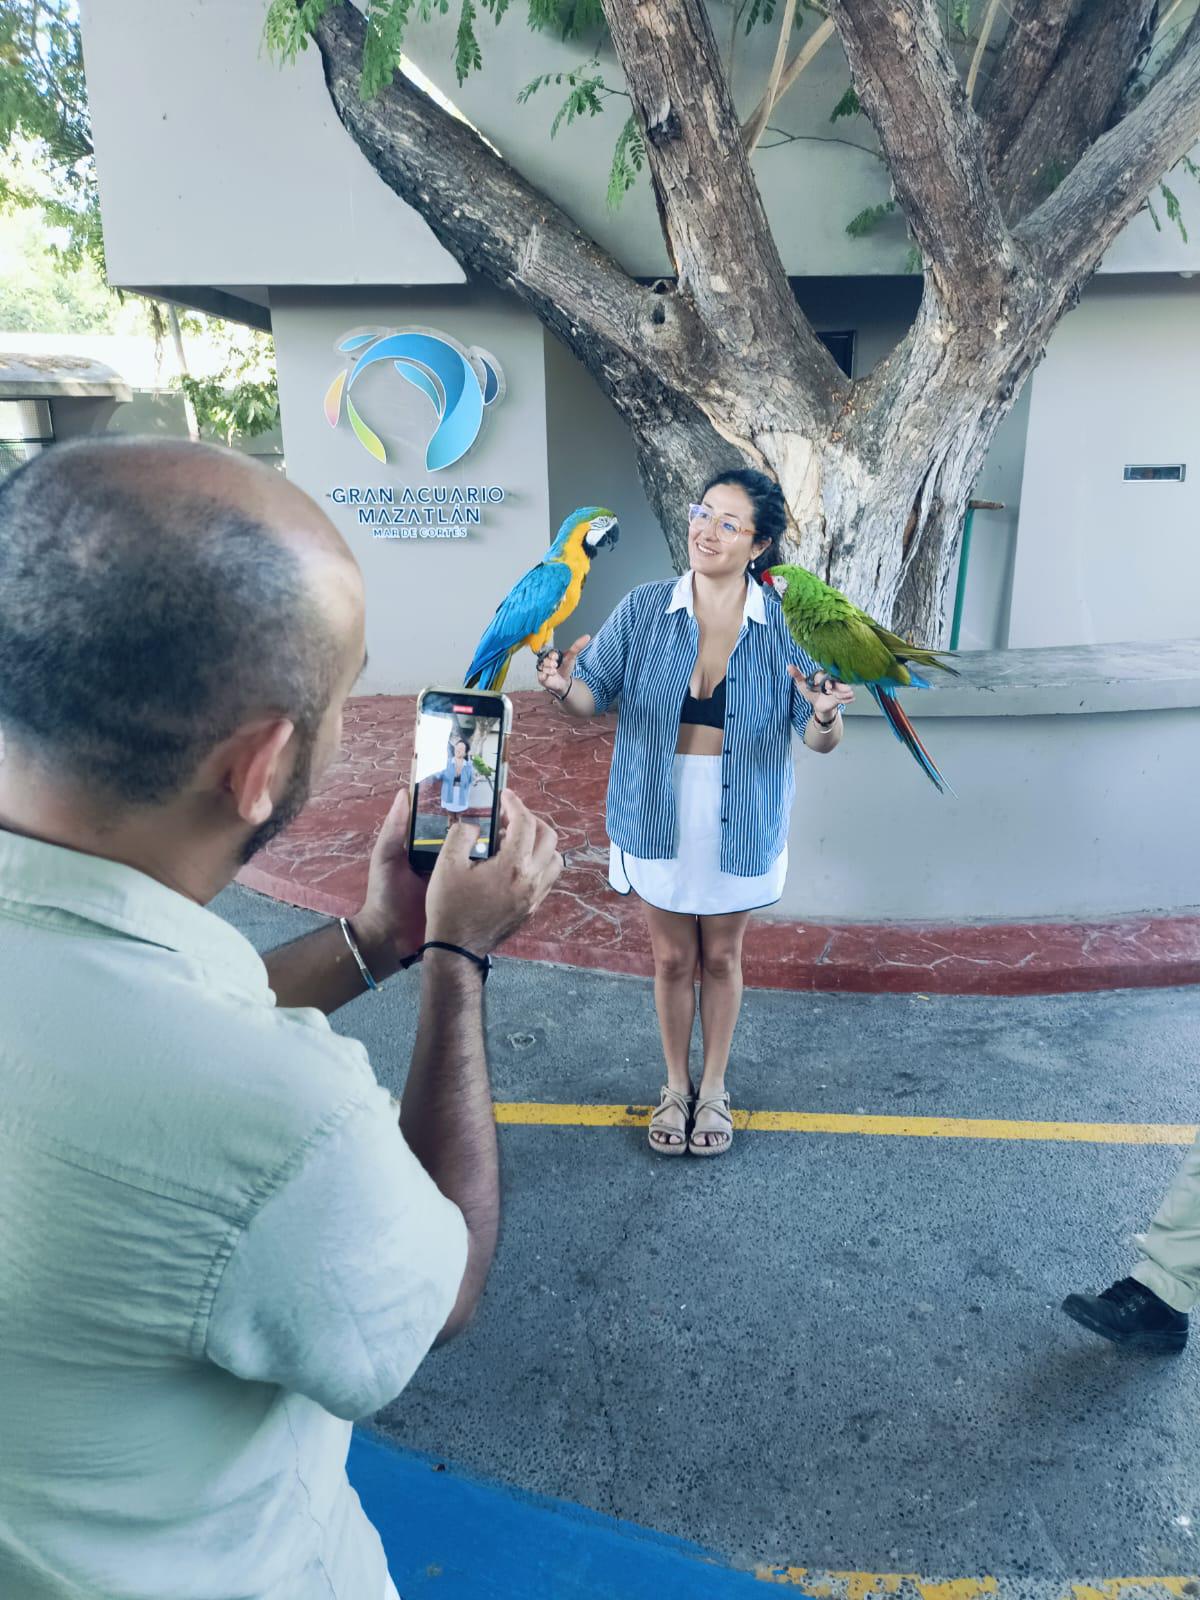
[460, 747]
[714, 549]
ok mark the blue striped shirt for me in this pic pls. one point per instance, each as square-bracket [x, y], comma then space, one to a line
[645, 654]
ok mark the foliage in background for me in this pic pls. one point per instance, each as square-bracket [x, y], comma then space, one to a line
[52, 268]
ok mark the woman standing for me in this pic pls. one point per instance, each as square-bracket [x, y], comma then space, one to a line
[457, 778]
[701, 788]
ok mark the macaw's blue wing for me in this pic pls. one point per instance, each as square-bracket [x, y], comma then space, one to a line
[527, 607]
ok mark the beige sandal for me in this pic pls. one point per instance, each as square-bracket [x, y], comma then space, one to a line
[669, 1101]
[719, 1105]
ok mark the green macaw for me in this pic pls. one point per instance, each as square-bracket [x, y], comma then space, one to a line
[854, 648]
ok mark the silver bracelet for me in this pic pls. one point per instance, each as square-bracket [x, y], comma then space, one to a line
[357, 953]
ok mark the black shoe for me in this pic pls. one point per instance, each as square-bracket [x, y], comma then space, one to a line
[1131, 1315]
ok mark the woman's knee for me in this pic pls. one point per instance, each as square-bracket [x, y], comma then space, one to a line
[676, 963]
[722, 961]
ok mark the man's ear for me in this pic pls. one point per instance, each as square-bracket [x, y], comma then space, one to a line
[253, 769]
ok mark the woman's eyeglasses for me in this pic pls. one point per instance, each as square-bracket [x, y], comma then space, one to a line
[725, 527]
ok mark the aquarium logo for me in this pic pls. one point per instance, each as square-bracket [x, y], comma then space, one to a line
[459, 383]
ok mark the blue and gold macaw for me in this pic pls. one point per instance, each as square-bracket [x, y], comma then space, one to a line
[544, 597]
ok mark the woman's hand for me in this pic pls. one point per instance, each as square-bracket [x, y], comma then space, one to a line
[826, 697]
[555, 668]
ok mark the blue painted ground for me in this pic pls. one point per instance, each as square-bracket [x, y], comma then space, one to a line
[450, 1537]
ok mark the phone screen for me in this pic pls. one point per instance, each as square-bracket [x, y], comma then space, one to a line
[458, 769]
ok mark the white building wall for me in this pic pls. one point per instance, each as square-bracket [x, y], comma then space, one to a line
[1099, 559]
[428, 599]
[218, 167]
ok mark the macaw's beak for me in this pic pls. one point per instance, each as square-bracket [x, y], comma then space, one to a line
[606, 531]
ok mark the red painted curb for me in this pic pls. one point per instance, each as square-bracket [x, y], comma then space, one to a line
[320, 864]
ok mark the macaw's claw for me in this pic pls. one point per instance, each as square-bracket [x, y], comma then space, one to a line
[542, 654]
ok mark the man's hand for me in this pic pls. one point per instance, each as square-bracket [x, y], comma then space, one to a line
[391, 923]
[478, 904]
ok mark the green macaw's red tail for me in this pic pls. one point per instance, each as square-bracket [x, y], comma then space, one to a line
[886, 700]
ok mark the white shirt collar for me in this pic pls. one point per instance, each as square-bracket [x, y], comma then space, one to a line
[754, 609]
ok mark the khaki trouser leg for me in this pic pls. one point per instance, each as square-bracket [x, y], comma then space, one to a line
[1171, 1245]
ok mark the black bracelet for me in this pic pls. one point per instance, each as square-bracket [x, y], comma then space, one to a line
[484, 963]
[828, 724]
[561, 697]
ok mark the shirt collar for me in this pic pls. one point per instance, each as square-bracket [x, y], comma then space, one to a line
[754, 609]
[50, 884]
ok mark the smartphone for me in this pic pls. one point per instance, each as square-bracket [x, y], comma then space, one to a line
[460, 766]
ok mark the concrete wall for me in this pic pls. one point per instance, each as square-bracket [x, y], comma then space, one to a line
[1060, 759]
[218, 167]
[428, 600]
[1097, 558]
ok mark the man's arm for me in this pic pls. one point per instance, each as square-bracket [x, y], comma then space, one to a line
[446, 1114]
[446, 1111]
[319, 970]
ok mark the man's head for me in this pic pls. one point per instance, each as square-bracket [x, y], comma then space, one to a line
[179, 628]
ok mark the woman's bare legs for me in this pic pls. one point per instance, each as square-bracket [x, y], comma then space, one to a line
[675, 940]
[720, 1002]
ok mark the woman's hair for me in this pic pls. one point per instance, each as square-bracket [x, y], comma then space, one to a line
[770, 510]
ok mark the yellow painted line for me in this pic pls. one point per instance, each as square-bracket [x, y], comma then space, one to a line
[553, 1114]
[873, 1585]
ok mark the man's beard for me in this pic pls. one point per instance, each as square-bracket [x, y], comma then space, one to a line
[290, 804]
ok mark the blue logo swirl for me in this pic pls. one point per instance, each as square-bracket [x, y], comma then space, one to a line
[459, 383]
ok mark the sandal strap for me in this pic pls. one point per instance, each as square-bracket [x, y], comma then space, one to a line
[718, 1103]
[672, 1100]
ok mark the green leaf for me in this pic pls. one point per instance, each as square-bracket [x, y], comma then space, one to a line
[1153, 214]
[468, 57]
[570, 19]
[288, 26]
[629, 158]
[1174, 210]
[913, 261]
[960, 16]
[869, 219]
[386, 22]
[848, 106]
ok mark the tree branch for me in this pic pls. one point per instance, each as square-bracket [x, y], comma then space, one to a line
[726, 257]
[1035, 32]
[909, 86]
[1079, 99]
[1070, 231]
[795, 67]
[496, 224]
[753, 131]
[985, 33]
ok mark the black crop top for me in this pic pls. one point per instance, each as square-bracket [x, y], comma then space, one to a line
[708, 713]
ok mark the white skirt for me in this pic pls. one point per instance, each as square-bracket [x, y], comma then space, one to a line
[692, 882]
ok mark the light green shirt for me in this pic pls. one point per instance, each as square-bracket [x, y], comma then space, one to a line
[215, 1249]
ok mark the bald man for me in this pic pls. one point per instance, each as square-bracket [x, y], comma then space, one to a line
[218, 1241]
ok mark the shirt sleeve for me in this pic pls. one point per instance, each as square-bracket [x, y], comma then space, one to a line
[340, 1283]
[602, 664]
[801, 709]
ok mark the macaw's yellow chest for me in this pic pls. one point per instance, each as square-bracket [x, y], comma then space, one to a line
[579, 565]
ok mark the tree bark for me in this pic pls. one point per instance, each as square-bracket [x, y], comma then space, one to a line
[1076, 102]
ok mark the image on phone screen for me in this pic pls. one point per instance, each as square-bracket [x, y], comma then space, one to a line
[458, 760]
